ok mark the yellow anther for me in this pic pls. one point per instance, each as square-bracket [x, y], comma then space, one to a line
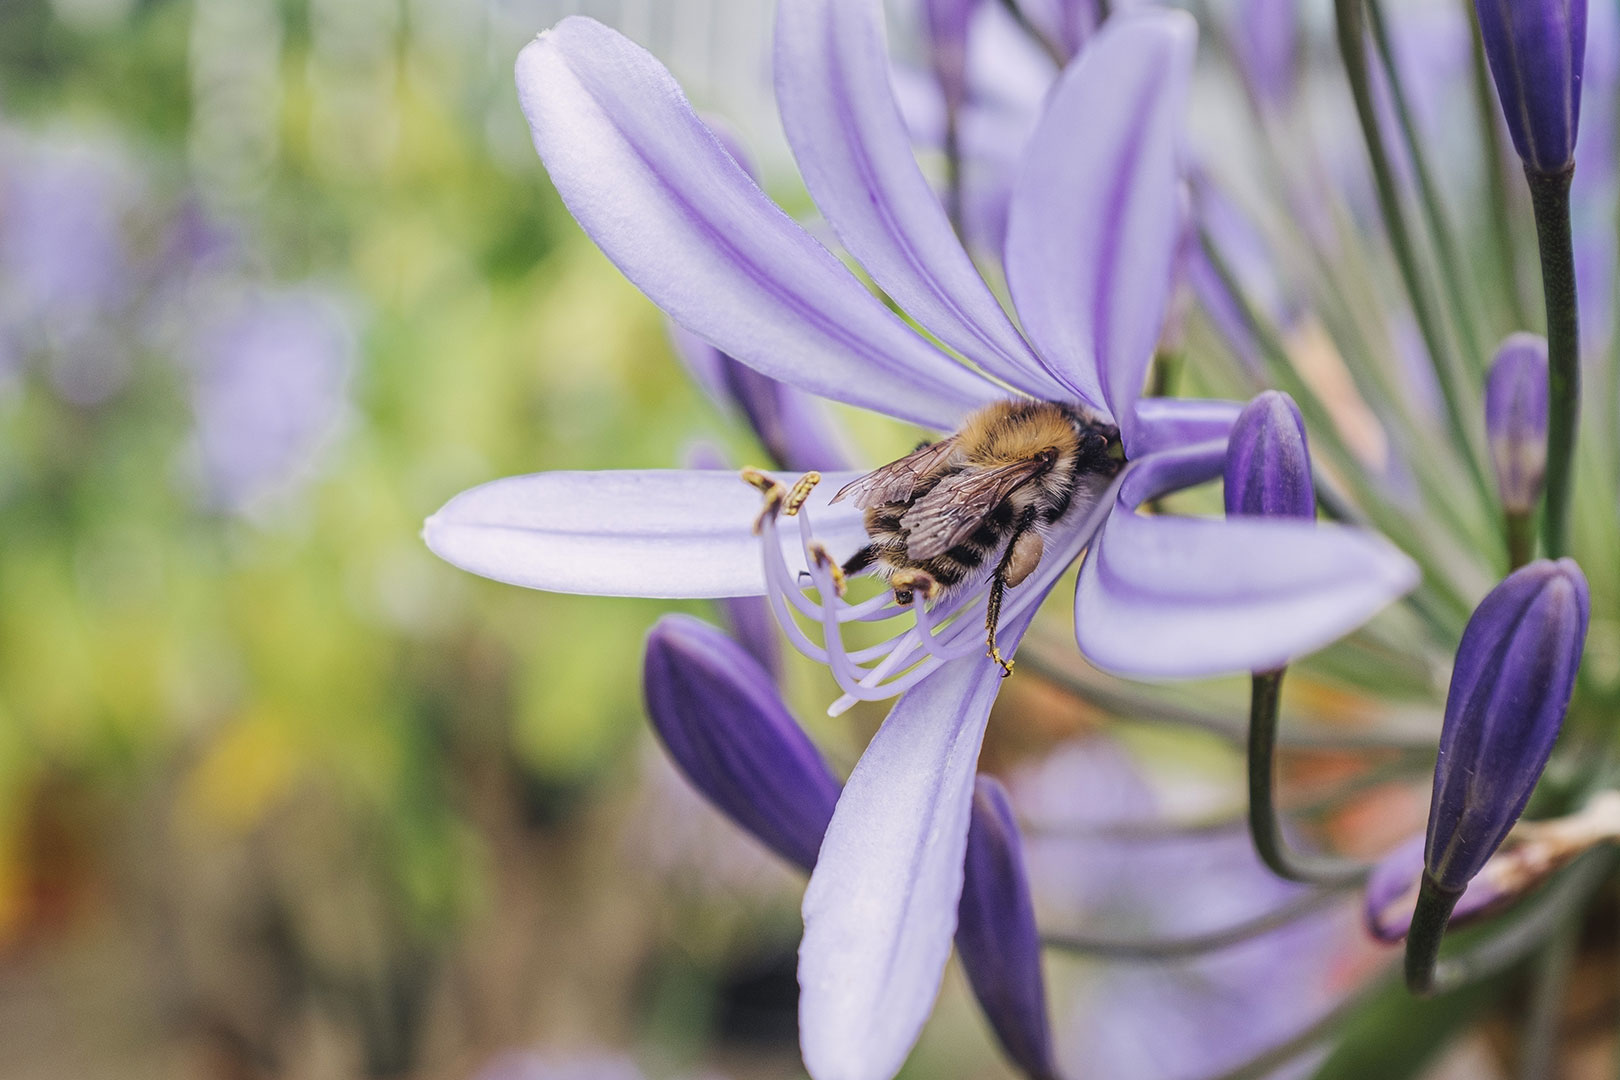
[824, 560]
[775, 494]
[801, 491]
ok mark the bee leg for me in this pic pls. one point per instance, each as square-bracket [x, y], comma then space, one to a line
[1017, 563]
[861, 560]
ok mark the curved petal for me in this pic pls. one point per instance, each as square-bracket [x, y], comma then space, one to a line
[854, 151]
[1095, 215]
[665, 533]
[997, 939]
[1164, 423]
[675, 212]
[882, 903]
[1188, 597]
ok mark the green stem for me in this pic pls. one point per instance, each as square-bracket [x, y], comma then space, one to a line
[1352, 49]
[1051, 48]
[1450, 262]
[1496, 180]
[1265, 825]
[1429, 921]
[1538, 1053]
[1521, 539]
[953, 170]
[1549, 197]
[1158, 950]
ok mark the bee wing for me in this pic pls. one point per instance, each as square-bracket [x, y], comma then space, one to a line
[958, 504]
[894, 482]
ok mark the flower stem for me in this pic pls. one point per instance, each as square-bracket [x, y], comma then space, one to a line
[1429, 921]
[1538, 1052]
[1496, 180]
[1265, 825]
[1016, 10]
[1549, 196]
[1158, 950]
[1521, 539]
[1447, 257]
[1353, 51]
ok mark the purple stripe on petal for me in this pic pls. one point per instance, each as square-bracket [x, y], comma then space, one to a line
[1166, 597]
[882, 903]
[1095, 221]
[669, 205]
[656, 532]
[1173, 423]
[854, 151]
[997, 938]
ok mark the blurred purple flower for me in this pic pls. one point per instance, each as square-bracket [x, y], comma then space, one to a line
[723, 723]
[1106, 860]
[1536, 48]
[1516, 420]
[1265, 37]
[1512, 682]
[1393, 888]
[269, 391]
[792, 426]
[1094, 218]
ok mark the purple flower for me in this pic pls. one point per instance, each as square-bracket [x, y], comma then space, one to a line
[1268, 463]
[270, 375]
[945, 24]
[1536, 48]
[1093, 229]
[723, 723]
[1265, 37]
[1516, 420]
[1514, 676]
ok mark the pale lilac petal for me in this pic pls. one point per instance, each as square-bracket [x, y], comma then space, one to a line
[1095, 217]
[854, 151]
[1178, 597]
[1168, 423]
[675, 212]
[657, 532]
[882, 904]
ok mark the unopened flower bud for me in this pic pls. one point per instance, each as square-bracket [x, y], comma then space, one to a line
[719, 715]
[724, 724]
[1516, 420]
[996, 936]
[1536, 49]
[1511, 685]
[1268, 462]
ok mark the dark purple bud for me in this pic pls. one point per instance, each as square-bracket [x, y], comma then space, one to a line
[996, 936]
[1516, 420]
[946, 24]
[790, 424]
[1511, 685]
[1268, 463]
[1536, 48]
[720, 717]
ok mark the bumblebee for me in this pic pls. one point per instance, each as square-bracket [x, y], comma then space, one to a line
[981, 498]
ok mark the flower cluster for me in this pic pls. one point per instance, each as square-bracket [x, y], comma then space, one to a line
[1339, 407]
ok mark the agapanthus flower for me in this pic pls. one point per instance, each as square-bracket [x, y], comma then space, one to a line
[1094, 225]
